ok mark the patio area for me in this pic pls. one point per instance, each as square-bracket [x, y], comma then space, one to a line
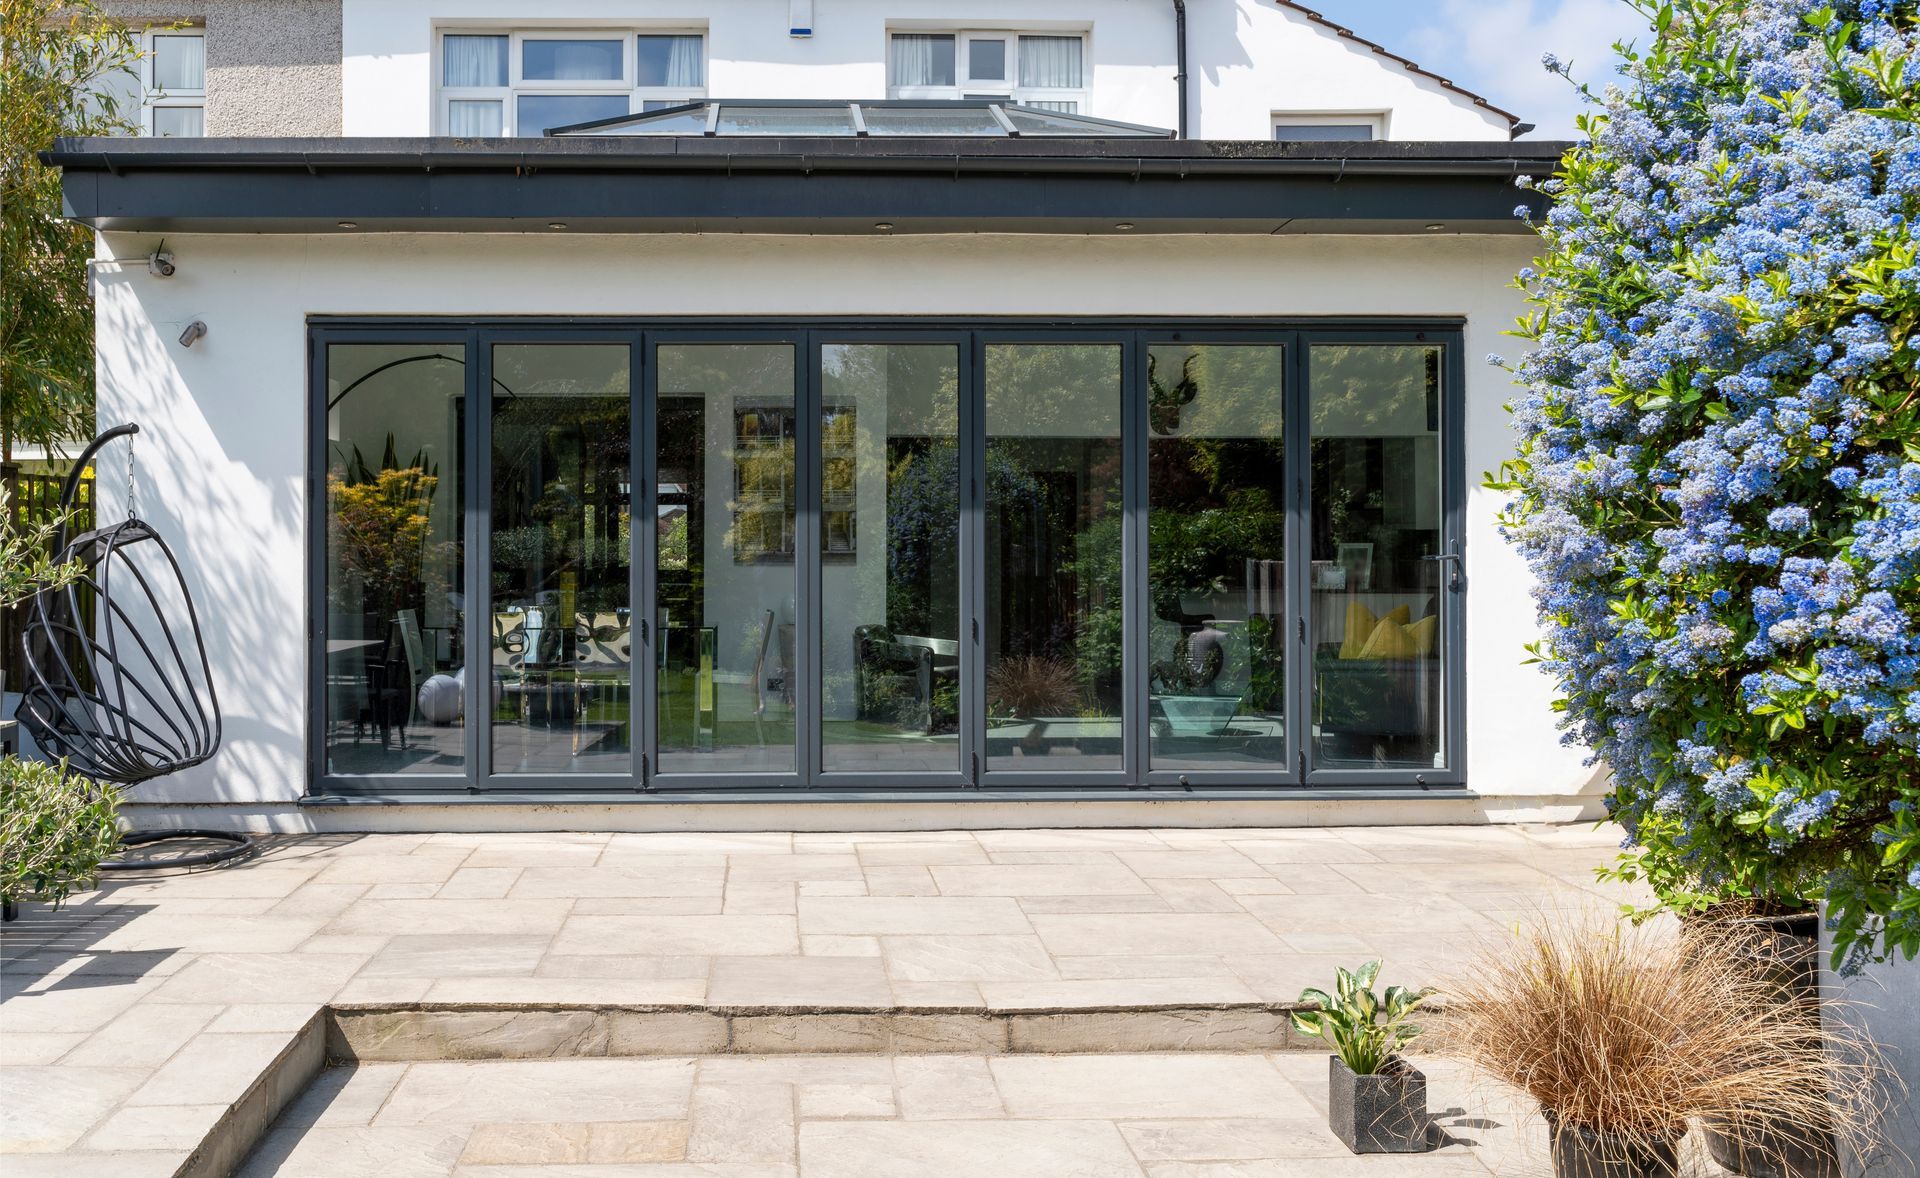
[138, 1018]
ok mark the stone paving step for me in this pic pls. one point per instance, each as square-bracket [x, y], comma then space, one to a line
[1138, 1115]
[474, 1031]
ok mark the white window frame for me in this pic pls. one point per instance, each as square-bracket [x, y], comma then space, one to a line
[152, 96]
[1007, 89]
[518, 86]
[1374, 119]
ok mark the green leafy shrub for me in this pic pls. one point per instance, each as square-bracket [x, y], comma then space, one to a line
[55, 828]
[1718, 479]
[1364, 1029]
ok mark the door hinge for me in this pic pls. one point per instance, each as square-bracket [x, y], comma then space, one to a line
[646, 632]
[1303, 766]
[976, 770]
[646, 771]
[1302, 624]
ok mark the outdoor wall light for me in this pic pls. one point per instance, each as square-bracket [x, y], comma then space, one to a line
[349, 224]
[1435, 227]
[883, 226]
[160, 264]
[195, 330]
[1124, 225]
[556, 224]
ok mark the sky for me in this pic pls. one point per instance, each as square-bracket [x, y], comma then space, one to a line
[1493, 47]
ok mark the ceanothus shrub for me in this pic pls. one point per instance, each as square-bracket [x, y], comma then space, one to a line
[1718, 480]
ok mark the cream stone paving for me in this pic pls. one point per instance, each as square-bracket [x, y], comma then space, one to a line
[1190, 1115]
[169, 990]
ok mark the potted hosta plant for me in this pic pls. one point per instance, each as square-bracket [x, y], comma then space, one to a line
[1625, 1036]
[1376, 1100]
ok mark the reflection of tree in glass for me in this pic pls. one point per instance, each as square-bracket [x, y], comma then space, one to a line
[573, 445]
[378, 524]
[923, 527]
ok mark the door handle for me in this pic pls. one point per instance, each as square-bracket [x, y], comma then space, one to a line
[1453, 575]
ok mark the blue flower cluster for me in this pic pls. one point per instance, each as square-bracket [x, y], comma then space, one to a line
[1718, 481]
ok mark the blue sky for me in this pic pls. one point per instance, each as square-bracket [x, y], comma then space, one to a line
[1493, 47]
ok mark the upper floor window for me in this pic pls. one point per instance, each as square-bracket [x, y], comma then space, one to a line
[527, 82]
[1047, 71]
[174, 97]
[1328, 128]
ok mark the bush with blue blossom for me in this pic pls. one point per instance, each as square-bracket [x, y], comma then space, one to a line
[1718, 478]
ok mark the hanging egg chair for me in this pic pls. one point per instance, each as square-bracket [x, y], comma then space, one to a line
[118, 681]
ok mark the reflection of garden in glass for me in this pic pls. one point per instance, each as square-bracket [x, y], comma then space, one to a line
[1376, 632]
[1054, 625]
[394, 559]
[890, 518]
[560, 577]
[724, 446]
[1216, 486]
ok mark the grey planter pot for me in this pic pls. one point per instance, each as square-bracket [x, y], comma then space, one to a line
[1783, 949]
[1582, 1153]
[1382, 1113]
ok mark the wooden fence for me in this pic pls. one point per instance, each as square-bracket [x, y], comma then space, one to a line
[33, 499]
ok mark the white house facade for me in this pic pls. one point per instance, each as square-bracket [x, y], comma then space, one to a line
[834, 414]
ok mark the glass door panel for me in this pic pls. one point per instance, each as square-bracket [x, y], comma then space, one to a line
[561, 610]
[1216, 557]
[1054, 524]
[890, 483]
[726, 431]
[1377, 629]
[395, 559]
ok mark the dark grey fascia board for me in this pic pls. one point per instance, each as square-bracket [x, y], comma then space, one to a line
[804, 152]
[812, 186]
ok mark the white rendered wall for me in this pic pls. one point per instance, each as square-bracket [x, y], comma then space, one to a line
[1248, 59]
[222, 458]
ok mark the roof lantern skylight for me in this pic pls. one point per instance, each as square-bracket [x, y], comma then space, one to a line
[898, 118]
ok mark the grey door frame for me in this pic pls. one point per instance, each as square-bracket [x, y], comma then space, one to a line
[1134, 335]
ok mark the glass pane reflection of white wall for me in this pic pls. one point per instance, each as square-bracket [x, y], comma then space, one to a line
[725, 437]
[1378, 632]
[394, 559]
[889, 551]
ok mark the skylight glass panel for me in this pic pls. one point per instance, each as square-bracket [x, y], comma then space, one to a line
[742, 119]
[930, 120]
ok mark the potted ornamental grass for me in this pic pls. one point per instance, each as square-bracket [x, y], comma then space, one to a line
[1376, 1100]
[1625, 1036]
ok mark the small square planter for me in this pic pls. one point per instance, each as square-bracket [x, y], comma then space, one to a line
[1382, 1113]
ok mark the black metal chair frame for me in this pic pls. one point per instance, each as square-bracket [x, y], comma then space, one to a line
[91, 709]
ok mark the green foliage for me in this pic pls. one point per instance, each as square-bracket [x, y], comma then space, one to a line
[58, 62]
[380, 531]
[1365, 1030]
[55, 828]
[26, 556]
[1717, 484]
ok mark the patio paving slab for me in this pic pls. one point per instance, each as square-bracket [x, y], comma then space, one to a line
[1070, 1116]
[175, 987]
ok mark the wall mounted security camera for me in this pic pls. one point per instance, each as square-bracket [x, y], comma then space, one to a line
[195, 330]
[160, 264]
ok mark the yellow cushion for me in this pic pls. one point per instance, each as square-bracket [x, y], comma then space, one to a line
[1390, 640]
[1424, 634]
[1399, 615]
[1360, 624]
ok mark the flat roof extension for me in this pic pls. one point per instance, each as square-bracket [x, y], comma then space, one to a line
[692, 184]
